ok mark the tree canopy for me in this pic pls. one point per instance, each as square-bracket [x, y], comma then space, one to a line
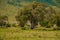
[36, 12]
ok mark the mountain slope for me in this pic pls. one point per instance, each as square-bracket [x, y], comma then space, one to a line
[18, 2]
[11, 7]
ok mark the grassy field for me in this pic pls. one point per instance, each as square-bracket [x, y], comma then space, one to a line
[15, 33]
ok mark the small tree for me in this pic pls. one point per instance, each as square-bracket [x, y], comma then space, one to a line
[4, 20]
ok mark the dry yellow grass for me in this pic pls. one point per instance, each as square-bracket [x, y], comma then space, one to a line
[15, 33]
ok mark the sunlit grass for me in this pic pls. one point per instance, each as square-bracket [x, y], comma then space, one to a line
[15, 33]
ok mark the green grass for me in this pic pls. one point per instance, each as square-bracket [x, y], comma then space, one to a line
[15, 33]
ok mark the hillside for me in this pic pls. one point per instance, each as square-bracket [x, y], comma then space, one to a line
[7, 9]
[14, 5]
[11, 7]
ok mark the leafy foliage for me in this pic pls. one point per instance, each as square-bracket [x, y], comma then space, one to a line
[36, 12]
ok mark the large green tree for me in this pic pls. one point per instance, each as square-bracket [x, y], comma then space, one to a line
[36, 12]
